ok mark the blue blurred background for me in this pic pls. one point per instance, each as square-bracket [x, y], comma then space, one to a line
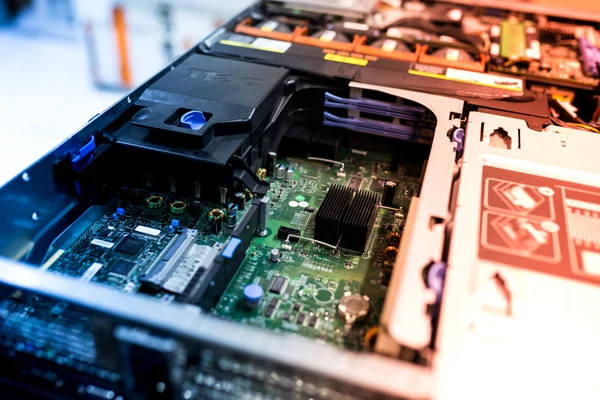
[63, 61]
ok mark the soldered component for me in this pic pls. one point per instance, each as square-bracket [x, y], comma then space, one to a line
[353, 307]
[195, 209]
[154, 201]
[289, 174]
[197, 189]
[389, 192]
[223, 193]
[177, 207]
[215, 220]
[240, 200]
[121, 268]
[280, 173]
[370, 336]
[387, 268]
[393, 238]
[130, 245]
[301, 318]
[275, 255]
[232, 211]
[278, 285]
[261, 173]
[271, 163]
[253, 293]
[263, 217]
[390, 252]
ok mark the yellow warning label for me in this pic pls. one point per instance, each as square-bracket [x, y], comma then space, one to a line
[508, 86]
[346, 60]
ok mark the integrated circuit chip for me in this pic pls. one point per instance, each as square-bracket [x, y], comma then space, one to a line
[269, 311]
[301, 318]
[378, 184]
[97, 253]
[121, 268]
[355, 182]
[278, 285]
[130, 245]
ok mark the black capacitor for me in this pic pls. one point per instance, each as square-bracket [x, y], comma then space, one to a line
[240, 200]
[195, 209]
[216, 225]
[271, 163]
[389, 192]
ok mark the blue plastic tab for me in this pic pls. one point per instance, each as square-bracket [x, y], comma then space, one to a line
[120, 211]
[193, 120]
[230, 247]
[84, 155]
[458, 137]
[436, 276]
[175, 223]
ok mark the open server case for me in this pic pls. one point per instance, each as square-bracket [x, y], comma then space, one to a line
[336, 200]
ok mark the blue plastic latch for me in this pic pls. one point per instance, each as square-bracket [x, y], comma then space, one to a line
[84, 155]
[120, 211]
[458, 137]
[436, 276]
[193, 120]
[175, 223]
[231, 246]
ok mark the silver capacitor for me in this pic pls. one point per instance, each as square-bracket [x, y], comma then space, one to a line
[275, 255]
[263, 217]
[289, 174]
[280, 172]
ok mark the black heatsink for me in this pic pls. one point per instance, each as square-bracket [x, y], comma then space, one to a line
[326, 143]
[296, 141]
[359, 220]
[329, 218]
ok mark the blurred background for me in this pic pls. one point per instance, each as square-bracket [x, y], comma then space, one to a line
[64, 61]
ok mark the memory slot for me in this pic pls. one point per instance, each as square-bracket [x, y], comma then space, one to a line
[373, 127]
[411, 113]
[169, 260]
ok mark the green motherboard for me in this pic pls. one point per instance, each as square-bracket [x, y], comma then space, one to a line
[118, 244]
[317, 276]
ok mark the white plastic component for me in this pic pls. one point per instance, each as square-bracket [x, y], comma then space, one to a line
[495, 49]
[389, 45]
[147, 230]
[327, 36]
[90, 272]
[531, 223]
[356, 26]
[404, 313]
[102, 243]
[495, 31]
[199, 256]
